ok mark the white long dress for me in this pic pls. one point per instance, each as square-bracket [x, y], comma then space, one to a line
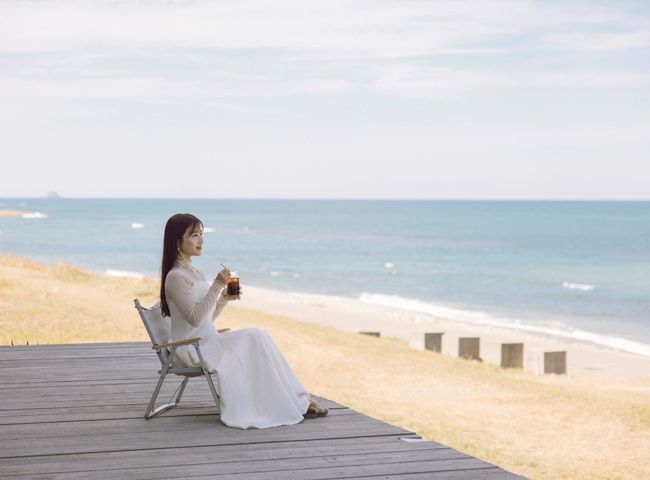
[257, 387]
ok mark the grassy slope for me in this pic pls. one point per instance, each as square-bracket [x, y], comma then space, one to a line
[540, 427]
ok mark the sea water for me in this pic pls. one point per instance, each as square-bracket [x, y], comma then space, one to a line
[574, 269]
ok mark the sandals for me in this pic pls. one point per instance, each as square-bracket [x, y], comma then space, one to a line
[315, 410]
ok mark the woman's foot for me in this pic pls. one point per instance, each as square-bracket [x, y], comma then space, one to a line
[315, 409]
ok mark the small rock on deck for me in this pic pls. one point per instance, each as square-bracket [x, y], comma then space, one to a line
[77, 411]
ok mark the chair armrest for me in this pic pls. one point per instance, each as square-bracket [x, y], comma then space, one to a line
[221, 330]
[172, 344]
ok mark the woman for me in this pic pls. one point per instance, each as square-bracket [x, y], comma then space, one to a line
[257, 388]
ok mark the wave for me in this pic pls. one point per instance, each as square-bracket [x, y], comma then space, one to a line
[482, 318]
[124, 274]
[578, 286]
[138, 225]
[34, 215]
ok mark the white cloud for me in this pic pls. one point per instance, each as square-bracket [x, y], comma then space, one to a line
[153, 88]
[600, 42]
[343, 29]
[433, 83]
[309, 29]
[588, 78]
[246, 110]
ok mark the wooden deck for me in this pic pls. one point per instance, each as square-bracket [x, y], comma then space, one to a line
[77, 411]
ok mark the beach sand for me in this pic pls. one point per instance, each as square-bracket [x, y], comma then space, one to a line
[12, 213]
[583, 360]
[21, 214]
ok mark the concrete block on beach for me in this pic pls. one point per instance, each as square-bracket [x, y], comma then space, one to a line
[542, 362]
[371, 334]
[555, 362]
[512, 355]
[426, 341]
[469, 348]
[462, 347]
[433, 342]
[505, 355]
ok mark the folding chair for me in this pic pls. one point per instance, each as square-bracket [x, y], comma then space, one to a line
[159, 330]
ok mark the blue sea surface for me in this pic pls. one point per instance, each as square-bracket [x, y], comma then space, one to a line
[549, 264]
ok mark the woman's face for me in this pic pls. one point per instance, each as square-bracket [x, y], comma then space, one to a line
[192, 242]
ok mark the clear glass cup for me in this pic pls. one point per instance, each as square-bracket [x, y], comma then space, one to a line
[233, 284]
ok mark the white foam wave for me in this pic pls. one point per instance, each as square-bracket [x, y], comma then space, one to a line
[578, 286]
[274, 274]
[124, 274]
[389, 265]
[138, 225]
[209, 230]
[485, 319]
[34, 215]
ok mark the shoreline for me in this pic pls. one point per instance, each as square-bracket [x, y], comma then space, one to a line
[419, 311]
[584, 359]
[21, 214]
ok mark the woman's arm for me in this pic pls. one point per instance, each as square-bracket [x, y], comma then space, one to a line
[178, 289]
[221, 304]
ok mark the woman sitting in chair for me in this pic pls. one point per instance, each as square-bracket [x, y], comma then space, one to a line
[257, 387]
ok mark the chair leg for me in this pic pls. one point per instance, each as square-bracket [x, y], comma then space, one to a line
[154, 396]
[150, 413]
[208, 377]
[215, 395]
[163, 373]
[182, 389]
[169, 405]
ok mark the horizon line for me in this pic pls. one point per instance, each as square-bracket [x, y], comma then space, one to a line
[347, 199]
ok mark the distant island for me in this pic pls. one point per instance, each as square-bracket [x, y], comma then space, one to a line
[52, 194]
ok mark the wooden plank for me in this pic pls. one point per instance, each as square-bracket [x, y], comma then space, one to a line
[278, 452]
[346, 466]
[76, 347]
[159, 424]
[117, 412]
[487, 474]
[213, 433]
[344, 471]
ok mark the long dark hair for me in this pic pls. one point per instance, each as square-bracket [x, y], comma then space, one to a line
[175, 228]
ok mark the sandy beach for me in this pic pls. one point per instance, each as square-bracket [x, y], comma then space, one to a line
[11, 213]
[21, 214]
[351, 315]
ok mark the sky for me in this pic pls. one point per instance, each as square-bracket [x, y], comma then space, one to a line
[391, 99]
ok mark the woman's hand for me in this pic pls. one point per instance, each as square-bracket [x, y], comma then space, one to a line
[231, 298]
[223, 276]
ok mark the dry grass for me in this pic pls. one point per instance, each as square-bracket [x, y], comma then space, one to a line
[62, 304]
[539, 427]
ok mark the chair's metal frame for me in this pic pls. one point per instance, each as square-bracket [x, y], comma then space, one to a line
[166, 353]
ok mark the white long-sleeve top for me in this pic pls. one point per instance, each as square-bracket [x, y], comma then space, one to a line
[192, 300]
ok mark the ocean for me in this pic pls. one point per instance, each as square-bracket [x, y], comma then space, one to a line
[579, 270]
